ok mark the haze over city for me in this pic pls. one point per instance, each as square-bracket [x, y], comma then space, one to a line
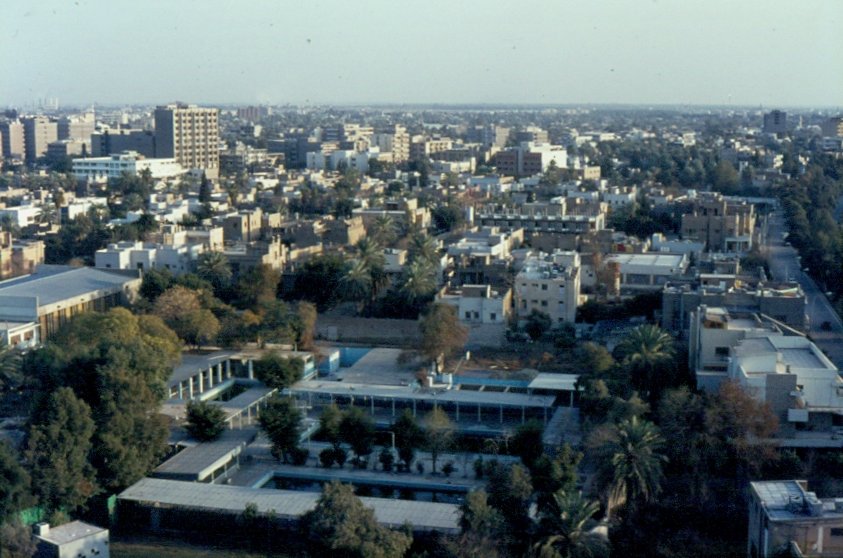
[753, 53]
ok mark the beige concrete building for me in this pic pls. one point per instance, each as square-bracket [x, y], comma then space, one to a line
[12, 138]
[549, 283]
[190, 135]
[39, 132]
[394, 140]
[19, 257]
[723, 225]
[787, 520]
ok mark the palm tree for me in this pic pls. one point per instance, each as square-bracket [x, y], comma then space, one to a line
[423, 247]
[648, 353]
[384, 230]
[629, 462]
[356, 284]
[569, 522]
[418, 281]
[213, 267]
[370, 254]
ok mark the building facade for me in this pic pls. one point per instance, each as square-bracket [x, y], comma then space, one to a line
[549, 283]
[190, 135]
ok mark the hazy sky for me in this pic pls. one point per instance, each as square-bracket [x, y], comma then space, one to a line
[761, 52]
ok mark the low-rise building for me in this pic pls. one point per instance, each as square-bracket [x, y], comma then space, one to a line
[479, 304]
[99, 169]
[19, 257]
[785, 519]
[723, 225]
[549, 283]
[54, 294]
[646, 272]
[76, 539]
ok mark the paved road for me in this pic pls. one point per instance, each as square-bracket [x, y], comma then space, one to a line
[785, 265]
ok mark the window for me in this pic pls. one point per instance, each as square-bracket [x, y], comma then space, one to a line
[493, 317]
[544, 286]
[468, 315]
[836, 532]
[544, 303]
[721, 351]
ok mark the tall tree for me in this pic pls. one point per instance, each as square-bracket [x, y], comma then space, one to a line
[480, 525]
[58, 452]
[567, 524]
[442, 333]
[16, 541]
[648, 353]
[357, 429]
[408, 436]
[118, 364]
[277, 371]
[214, 268]
[439, 434]
[14, 483]
[205, 422]
[629, 462]
[182, 311]
[341, 526]
[281, 420]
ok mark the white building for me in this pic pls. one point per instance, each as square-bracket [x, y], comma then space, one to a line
[21, 216]
[72, 540]
[549, 283]
[647, 272]
[479, 304]
[97, 169]
[178, 259]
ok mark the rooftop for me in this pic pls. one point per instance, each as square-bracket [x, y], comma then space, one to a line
[286, 504]
[72, 531]
[54, 283]
[789, 500]
[466, 397]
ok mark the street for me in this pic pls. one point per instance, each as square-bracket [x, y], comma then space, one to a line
[785, 265]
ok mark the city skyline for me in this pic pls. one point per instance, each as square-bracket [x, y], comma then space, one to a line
[616, 53]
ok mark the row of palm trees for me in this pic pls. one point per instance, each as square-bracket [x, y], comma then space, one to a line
[366, 278]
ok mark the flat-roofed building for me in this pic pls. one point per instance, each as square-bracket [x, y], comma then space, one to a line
[12, 139]
[72, 540]
[785, 519]
[39, 132]
[647, 272]
[190, 135]
[549, 283]
[723, 225]
[98, 169]
[54, 294]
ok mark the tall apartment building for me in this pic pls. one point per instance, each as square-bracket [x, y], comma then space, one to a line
[833, 127]
[775, 122]
[724, 226]
[395, 140]
[530, 159]
[13, 140]
[549, 283]
[490, 135]
[190, 135]
[79, 127]
[38, 132]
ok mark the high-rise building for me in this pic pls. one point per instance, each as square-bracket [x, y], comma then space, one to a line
[77, 127]
[119, 140]
[190, 135]
[775, 122]
[13, 139]
[833, 127]
[39, 132]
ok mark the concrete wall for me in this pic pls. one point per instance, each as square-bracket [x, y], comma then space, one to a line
[369, 330]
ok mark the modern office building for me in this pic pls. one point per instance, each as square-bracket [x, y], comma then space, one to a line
[190, 135]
